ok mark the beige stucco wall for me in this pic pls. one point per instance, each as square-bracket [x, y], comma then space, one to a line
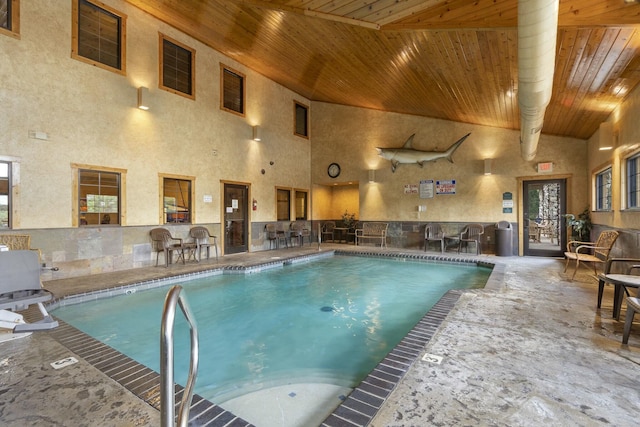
[349, 136]
[626, 126]
[90, 117]
[332, 201]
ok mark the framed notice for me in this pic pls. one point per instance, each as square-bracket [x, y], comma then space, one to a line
[426, 189]
[446, 186]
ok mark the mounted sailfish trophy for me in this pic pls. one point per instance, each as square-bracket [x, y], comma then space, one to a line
[408, 155]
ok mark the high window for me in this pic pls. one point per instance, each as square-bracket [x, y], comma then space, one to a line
[632, 180]
[301, 119]
[10, 17]
[98, 197]
[177, 198]
[5, 195]
[283, 204]
[232, 90]
[603, 190]
[301, 204]
[177, 67]
[99, 35]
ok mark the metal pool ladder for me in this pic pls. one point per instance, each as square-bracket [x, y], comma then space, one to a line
[167, 388]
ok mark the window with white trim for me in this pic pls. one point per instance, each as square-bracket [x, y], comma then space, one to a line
[632, 181]
[603, 190]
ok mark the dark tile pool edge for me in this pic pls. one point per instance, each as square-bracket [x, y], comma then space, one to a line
[141, 381]
[361, 406]
[133, 286]
[495, 281]
[358, 409]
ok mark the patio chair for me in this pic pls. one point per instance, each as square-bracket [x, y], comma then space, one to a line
[300, 230]
[433, 233]
[471, 234]
[595, 252]
[163, 241]
[351, 232]
[327, 231]
[276, 234]
[20, 287]
[201, 237]
[534, 232]
[271, 235]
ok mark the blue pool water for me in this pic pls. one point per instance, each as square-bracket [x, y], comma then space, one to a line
[326, 321]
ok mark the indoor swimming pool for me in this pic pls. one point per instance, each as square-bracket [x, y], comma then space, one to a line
[330, 320]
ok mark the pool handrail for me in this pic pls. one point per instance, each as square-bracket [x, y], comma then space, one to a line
[167, 387]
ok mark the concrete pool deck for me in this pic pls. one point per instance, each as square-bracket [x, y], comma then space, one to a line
[532, 351]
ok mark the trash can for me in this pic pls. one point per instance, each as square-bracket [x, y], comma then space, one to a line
[504, 247]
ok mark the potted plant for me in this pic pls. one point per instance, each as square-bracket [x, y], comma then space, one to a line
[349, 219]
[580, 226]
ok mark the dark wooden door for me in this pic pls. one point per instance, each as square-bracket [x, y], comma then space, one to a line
[236, 218]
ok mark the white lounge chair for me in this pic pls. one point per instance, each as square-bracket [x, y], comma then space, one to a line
[20, 287]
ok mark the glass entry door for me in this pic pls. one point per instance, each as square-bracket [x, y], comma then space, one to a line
[545, 233]
[236, 218]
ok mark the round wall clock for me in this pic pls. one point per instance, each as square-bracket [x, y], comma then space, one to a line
[333, 170]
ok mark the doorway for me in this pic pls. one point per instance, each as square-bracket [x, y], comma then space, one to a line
[544, 207]
[236, 218]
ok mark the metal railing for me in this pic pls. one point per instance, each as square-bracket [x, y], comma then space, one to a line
[167, 387]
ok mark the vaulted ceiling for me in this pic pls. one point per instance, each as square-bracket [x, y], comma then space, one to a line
[449, 59]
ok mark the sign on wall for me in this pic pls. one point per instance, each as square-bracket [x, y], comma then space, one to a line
[426, 189]
[507, 202]
[410, 189]
[446, 186]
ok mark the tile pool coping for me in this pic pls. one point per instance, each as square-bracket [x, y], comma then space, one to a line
[357, 409]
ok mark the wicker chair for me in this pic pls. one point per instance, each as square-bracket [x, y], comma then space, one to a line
[594, 252]
[18, 242]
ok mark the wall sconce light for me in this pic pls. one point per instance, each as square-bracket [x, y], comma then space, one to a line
[487, 166]
[256, 133]
[143, 98]
[372, 175]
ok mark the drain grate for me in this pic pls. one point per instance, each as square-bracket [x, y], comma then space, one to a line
[63, 363]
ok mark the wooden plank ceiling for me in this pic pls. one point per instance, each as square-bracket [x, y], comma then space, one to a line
[448, 59]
